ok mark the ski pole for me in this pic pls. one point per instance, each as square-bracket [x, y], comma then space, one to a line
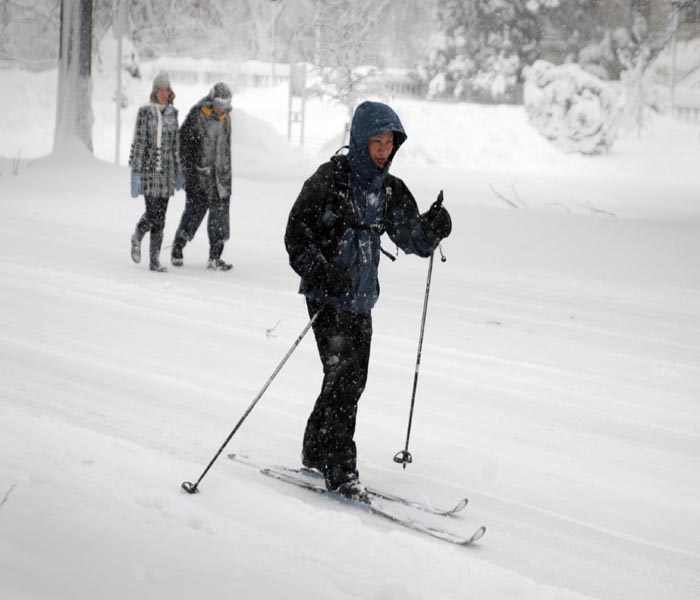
[404, 456]
[192, 488]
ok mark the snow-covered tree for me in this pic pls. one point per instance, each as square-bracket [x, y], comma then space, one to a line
[206, 28]
[573, 109]
[28, 32]
[345, 34]
[74, 117]
[573, 25]
[634, 53]
[449, 62]
[625, 53]
[405, 33]
[481, 46]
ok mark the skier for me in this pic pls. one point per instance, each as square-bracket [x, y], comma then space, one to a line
[205, 140]
[156, 171]
[333, 241]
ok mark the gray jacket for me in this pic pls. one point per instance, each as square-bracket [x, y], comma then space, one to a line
[205, 147]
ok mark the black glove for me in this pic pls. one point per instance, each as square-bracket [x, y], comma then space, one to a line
[439, 219]
[337, 284]
[334, 282]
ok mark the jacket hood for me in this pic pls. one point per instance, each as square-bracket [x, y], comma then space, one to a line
[369, 119]
[219, 95]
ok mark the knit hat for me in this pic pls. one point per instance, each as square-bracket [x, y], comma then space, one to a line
[161, 81]
[220, 96]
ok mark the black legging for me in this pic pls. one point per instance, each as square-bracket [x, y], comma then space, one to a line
[343, 340]
[153, 220]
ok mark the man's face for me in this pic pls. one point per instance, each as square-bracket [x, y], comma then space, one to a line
[380, 146]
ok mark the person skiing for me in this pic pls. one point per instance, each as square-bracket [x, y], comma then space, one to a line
[205, 146]
[156, 171]
[333, 242]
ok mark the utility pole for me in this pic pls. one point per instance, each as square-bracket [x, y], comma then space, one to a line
[297, 100]
[676, 6]
[674, 28]
[120, 27]
[277, 11]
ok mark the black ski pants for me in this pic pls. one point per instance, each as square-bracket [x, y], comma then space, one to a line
[343, 340]
[218, 226]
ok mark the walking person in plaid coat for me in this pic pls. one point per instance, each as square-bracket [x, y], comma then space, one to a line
[156, 171]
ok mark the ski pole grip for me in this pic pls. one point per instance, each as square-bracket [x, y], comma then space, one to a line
[439, 200]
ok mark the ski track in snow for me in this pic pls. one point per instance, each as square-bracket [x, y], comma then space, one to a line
[568, 404]
[558, 391]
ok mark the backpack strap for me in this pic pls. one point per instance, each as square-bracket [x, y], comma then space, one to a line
[340, 188]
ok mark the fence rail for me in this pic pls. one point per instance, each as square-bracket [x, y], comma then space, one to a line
[691, 114]
[686, 104]
[394, 83]
[260, 74]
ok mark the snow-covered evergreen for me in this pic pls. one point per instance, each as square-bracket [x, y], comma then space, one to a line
[480, 47]
[574, 110]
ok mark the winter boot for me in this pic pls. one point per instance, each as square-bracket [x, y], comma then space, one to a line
[156, 242]
[136, 238]
[176, 254]
[215, 263]
[346, 483]
[353, 490]
[135, 248]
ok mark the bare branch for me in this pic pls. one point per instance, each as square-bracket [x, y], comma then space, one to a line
[517, 196]
[502, 197]
[594, 210]
[270, 332]
[7, 494]
[559, 205]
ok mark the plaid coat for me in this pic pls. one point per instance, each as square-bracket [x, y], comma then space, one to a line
[158, 166]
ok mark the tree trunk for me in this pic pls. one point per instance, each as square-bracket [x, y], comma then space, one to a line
[74, 117]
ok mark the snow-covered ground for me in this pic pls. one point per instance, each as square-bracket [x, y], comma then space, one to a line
[558, 389]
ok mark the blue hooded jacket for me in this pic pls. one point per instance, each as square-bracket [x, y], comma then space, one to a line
[358, 250]
[337, 220]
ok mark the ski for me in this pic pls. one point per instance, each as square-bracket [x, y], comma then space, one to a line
[378, 505]
[461, 505]
[373, 508]
[373, 492]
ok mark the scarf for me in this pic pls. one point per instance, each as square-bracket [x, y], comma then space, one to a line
[159, 108]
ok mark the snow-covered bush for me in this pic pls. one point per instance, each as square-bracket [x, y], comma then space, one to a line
[573, 109]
